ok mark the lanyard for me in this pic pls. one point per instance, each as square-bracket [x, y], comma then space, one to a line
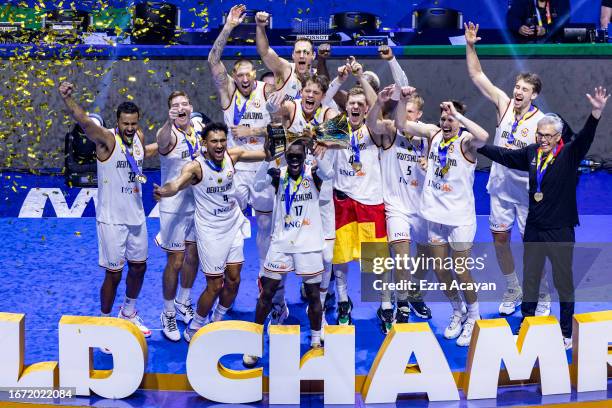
[443, 148]
[539, 17]
[193, 148]
[290, 197]
[517, 122]
[130, 159]
[314, 117]
[542, 167]
[355, 143]
[214, 166]
[239, 113]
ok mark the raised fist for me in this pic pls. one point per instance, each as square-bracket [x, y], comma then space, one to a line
[65, 89]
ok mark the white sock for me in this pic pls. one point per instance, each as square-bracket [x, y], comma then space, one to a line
[386, 305]
[458, 305]
[544, 288]
[129, 306]
[315, 337]
[198, 321]
[183, 295]
[105, 314]
[322, 295]
[169, 307]
[219, 313]
[473, 311]
[341, 282]
[512, 280]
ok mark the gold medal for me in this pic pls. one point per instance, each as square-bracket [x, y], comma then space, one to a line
[287, 219]
[538, 196]
[141, 178]
[356, 165]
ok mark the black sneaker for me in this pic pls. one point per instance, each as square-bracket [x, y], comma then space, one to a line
[387, 318]
[344, 313]
[421, 310]
[330, 301]
[403, 312]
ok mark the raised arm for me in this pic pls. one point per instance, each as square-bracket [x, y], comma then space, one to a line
[151, 150]
[103, 138]
[332, 93]
[276, 64]
[383, 130]
[413, 128]
[238, 154]
[223, 82]
[478, 136]
[190, 173]
[323, 54]
[398, 74]
[357, 70]
[580, 146]
[478, 77]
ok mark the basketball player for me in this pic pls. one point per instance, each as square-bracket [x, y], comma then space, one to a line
[179, 142]
[296, 115]
[358, 202]
[403, 177]
[517, 120]
[288, 76]
[243, 100]
[220, 225]
[297, 235]
[447, 203]
[120, 218]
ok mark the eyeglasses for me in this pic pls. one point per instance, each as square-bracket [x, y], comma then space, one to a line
[545, 137]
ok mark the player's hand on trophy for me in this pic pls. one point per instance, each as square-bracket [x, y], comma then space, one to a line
[65, 89]
[235, 16]
[262, 18]
[324, 51]
[471, 33]
[385, 52]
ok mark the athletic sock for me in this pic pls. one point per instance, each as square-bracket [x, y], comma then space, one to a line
[183, 295]
[512, 280]
[105, 314]
[458, 305]
[322, 296]
[473, 311]
[315, 337]
[169, 307]
[219, 313]
[198, 321]
[129, 306]
[341, 285]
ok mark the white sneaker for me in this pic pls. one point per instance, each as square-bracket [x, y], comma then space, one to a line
[169, 327]
[315, 344]
[513, 297]
[137, 321]
[189, 333]
[543, 307]
[105, 350]
[567, 341]
[184, 311]
[249, 361]
[455, 325]
[466, 333]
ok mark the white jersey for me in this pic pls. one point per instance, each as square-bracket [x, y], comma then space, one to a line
[255, 115]
[216, 209]
[449, 198]
[363, 185]
[403, 177]
[299, 230]
[119, 193]
[292, 88]
[171, 165]
[508, 184]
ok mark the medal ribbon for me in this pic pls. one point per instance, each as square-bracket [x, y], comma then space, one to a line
[290, 197]
[443, 148]
[215, 167]
[314, 118]
[517, 122]
[539, 17]
[541, 168]
[239, 113]
[193, 148]
[420, 149]
[355, 143]
[128, 155]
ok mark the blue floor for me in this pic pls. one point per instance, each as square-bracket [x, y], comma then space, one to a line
[50, 269]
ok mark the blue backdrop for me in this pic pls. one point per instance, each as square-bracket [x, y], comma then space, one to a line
[489, 13]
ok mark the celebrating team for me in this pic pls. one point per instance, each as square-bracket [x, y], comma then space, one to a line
[399, 180]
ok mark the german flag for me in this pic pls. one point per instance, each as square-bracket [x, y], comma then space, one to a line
[356, 223]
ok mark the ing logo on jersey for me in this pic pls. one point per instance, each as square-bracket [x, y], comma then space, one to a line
[414, 183]
[306, 221]
[306, 183]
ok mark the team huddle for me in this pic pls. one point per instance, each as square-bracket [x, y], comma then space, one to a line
[397, 181]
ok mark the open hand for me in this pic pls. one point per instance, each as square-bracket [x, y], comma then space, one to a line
[471, 33]
[236, 15]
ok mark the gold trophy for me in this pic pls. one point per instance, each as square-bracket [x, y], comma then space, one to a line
[333, 133]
